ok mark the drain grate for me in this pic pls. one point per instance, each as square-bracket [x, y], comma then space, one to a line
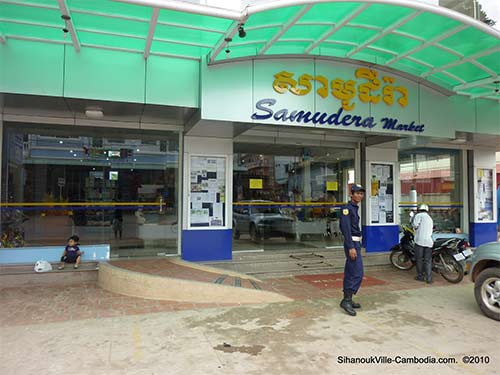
[220, 279]
[255, 285]
[306, 256]
[310, 260]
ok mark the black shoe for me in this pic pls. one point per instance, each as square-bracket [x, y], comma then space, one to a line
[355, 305]
[418, 278]
[347, 306]
[429, 281]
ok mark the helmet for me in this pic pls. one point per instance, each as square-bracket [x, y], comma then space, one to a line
[423, 207]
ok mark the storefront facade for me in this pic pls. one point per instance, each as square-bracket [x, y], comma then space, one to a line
[246, 144]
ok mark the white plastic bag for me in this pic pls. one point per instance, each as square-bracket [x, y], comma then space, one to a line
[43, 266]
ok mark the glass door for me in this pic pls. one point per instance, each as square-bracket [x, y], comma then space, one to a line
[289, 198]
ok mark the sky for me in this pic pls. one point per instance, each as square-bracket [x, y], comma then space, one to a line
[491, 7]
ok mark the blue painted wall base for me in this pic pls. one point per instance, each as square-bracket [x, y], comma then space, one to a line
[480, 233]
[205, 245]
[380, 237]
[21, 255]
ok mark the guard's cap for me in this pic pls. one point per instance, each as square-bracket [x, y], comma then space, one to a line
[356, 187]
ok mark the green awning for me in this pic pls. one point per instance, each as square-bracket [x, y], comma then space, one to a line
[428, 42]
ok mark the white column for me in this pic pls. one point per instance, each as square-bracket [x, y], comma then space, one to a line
[381, 234]
[207, 242]
[207, 146]
[381, 155]
[482, 197]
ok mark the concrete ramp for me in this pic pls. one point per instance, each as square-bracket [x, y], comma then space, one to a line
[145, 285]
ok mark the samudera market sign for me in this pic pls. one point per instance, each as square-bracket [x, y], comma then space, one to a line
[371, 90]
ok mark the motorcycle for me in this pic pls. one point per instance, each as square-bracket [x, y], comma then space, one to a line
[447, 253]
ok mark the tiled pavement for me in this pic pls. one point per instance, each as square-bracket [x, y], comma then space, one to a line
[44, 304]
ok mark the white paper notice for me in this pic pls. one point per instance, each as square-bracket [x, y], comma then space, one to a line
[199, 216]
[212, 165]
[198, 164]
[388, 202]
[217, 210]
[381, 203]
[212, 185]
[374, 209]
[212, 196]
[381, 217]
[197, 197]
[386, 171]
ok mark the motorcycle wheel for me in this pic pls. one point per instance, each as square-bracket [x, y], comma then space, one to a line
[401, 260]
[452, 271]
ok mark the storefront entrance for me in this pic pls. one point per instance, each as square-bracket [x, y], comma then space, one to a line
[288, 197]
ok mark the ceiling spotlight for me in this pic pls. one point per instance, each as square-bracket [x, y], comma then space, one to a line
[241, 31]
[65, 30]
[94, 112]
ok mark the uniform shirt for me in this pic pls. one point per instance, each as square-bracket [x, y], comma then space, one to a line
[349, 223]
[423, 224]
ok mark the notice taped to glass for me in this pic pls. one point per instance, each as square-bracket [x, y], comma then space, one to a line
[208, 191]
[382, 193]
[484, 196]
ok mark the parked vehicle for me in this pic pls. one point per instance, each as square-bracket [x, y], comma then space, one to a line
[446, 255]
[261, 220]
[484, 267]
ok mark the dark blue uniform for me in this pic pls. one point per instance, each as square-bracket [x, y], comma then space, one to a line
[349, 225]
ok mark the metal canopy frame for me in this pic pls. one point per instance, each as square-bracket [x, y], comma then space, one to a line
[69, 23]
[408, 36]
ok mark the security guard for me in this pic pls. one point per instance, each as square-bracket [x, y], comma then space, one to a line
[353, 271]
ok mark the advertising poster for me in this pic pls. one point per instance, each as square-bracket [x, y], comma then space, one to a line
[382, 191]
[207, 185]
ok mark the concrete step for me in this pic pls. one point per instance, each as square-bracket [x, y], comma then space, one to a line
[265, 266]
[14, 269]
[17, 275]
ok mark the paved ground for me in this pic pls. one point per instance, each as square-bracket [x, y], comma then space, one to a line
[308, 336]
[47, 304]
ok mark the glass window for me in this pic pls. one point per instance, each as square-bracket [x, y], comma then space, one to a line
[103, 187]
[433, 177]
[289, 197]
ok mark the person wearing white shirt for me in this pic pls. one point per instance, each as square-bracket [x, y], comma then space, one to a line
[423, 225]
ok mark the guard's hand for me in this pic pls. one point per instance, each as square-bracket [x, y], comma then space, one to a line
[353, 253]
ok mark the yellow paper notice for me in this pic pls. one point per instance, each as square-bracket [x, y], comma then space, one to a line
[332, 186]
[255, 183]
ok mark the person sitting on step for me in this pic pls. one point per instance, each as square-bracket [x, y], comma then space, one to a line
[72, 253]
